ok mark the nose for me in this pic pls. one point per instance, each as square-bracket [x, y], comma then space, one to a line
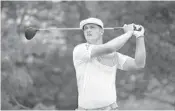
[88, 30]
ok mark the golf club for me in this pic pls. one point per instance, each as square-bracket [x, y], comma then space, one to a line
[30, 32]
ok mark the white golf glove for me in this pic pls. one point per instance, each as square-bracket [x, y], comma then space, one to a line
[129, 27]
[139, 33]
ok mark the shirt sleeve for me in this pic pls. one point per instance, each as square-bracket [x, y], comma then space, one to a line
[121, 60]
[82, 53]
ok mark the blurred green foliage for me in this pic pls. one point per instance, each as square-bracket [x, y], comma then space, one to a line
[39, 74]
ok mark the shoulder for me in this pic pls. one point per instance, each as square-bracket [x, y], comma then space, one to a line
[80, 47]
[121, 56]
[118, 54]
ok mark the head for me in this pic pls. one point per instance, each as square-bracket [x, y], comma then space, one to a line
[93, 30]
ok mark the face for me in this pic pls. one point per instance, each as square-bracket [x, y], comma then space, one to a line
[92, 32]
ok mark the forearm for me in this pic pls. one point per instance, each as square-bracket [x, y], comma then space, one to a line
[140, 54]
[116, 43]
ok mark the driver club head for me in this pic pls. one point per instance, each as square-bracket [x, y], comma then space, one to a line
[30, 32]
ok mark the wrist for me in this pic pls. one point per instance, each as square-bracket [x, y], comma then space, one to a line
[142, 36]
[130, 32]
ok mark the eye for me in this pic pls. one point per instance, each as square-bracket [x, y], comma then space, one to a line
[85, 28]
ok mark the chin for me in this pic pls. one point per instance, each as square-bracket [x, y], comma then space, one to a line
[90, 42]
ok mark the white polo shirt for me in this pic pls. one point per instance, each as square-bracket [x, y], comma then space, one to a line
[96, 82]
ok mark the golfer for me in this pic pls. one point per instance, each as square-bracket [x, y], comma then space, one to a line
[96, 62]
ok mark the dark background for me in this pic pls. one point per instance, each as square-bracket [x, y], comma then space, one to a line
[39, 74]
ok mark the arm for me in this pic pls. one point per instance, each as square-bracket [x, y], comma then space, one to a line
[114, 44]
[140, 54]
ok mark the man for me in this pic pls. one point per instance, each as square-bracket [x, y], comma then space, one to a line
[96, 62]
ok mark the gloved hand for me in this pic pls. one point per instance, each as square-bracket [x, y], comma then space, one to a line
[139, 33]
[129, 27]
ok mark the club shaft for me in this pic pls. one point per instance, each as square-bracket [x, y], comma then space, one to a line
[112, 28]
[107, 28]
